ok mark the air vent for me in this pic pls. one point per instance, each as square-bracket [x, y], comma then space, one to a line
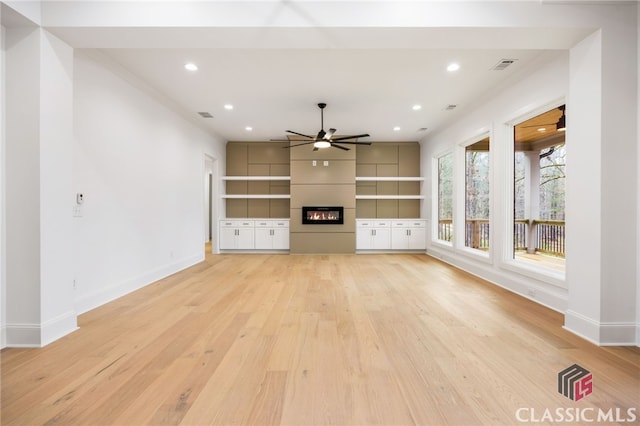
[205, 114]
[503, 64]
[450, 107]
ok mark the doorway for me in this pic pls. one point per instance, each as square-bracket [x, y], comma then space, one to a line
[210, 211]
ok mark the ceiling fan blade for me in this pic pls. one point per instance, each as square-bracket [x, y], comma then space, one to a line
[338, 146]
[356, 142]
[341, 138]
[329, 134]
[300, 144]
[299, 134]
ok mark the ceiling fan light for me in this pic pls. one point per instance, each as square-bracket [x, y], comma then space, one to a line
[322, 144]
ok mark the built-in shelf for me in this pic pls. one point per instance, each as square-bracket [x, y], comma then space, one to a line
[389, 178]
[245, 178]
[272, 196]
[389, 197]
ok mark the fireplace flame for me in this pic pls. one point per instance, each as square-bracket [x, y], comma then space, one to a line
[316, 215]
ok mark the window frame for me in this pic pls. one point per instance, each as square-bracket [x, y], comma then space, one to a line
[435, 211]
[461, 196]
[507, 259]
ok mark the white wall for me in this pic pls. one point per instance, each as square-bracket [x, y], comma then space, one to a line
[140, 166]
[22, 185]
[638, 181]
[599, 294]
[3, 251]
[58, 316]
[528, 92]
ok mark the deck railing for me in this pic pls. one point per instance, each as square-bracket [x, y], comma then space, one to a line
[548, 235]
[520, 229]
[476, 234]
[445, 229]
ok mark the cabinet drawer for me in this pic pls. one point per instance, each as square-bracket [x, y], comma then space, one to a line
[236, 223]
[364, 224]
[410, 223]
[373, 223]
[272, 223]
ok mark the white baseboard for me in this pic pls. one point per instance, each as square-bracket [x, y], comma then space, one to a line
[555, 299]
[23, 335]
[39, 335]
[58, 327]
[602, 333]
[3, 336]
[98, 298]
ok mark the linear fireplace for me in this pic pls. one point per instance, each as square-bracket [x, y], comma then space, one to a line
[322, 215]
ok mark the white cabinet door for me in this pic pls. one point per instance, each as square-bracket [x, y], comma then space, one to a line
[399, 239]
[263, 239]
[417, 238]
[227, 238]
[364, 238]
[245, 239]
[381, 238]
[280, 238]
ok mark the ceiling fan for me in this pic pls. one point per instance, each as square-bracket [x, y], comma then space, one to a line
[560, 124]
[325, 139]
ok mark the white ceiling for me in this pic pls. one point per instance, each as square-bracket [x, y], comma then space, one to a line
[366, 90]
[274, 66]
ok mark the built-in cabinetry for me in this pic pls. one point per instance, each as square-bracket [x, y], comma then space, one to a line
[389, 179]
[390, 234]
[272, 234]
[379, 186]
[408, 235]
[236, 234]
[373, 234]
[254, 234]
[256, 179]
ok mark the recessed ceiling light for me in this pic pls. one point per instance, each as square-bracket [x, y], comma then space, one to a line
[453, 67]
[397, 128]
[416, 107]
[228, 107]
[542, 129]
[248, 128]
[190, 66]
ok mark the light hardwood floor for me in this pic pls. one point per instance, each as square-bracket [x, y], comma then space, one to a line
[312, 339]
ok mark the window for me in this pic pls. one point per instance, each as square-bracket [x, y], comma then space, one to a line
[476, 227]
[539, 190]
[445, 197]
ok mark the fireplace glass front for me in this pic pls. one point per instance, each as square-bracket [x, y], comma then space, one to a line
[322, 215]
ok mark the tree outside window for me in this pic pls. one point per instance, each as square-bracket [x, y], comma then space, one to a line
[445, 197]
[477, 195]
